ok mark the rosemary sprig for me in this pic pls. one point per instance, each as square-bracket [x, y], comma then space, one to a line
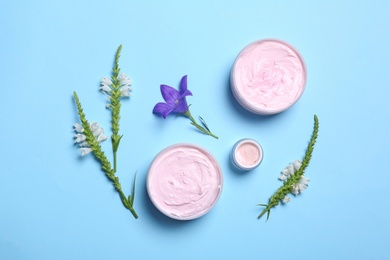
[294, 179]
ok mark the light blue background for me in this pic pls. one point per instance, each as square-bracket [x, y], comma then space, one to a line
[56, 205]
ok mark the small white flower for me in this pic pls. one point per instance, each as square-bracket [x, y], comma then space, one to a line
[106, 81]
[125, 91]
[101, 137]
[97, 131]
[124, 80]
[295, 190]
[288, 171]
[105, 86]
[300, 186]
[79, 138]
[78, 128]
[84, 144]
[94, 126]
[85, 150]
[105, 89]
[304, 180]
[286, 199]
[108, 105]
[282, 177]
[297, 164]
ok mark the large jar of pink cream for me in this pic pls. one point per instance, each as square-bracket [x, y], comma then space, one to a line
[268, 77]
[184, 181]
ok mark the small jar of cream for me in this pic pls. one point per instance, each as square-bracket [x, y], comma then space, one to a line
[247, 154]
[184, 181]
[268, 77]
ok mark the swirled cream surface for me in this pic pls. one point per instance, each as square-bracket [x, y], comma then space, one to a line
[184, 181]
[268, 77]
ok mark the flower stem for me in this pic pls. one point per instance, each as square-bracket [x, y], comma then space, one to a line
[114, 161]
[199, 127]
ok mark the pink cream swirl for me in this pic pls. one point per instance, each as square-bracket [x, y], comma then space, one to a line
[184, 181]
[268, 77]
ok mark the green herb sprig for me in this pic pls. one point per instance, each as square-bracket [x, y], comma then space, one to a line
[294, 179]
[204, 129]
[115, 89]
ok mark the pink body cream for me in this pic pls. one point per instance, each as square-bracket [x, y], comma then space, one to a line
[247, 154]
[184, 181]
[268, 77]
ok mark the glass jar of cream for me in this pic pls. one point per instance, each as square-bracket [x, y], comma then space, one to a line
[268, 77]
[246, 154]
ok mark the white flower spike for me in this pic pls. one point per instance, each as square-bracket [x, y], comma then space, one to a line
[94, 134]
[97, 131]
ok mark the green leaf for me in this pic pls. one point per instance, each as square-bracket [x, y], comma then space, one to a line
[262, 213]
[204, 123]
[133, 191]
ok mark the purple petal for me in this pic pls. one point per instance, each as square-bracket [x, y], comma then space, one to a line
[181, 107]
[169, 94]
[186, 93]
[163, 109]
[183, 84]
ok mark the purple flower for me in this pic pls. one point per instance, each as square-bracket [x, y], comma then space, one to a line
[175, 101]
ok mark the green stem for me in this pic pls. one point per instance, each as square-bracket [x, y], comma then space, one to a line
[199, 127]
[127, 203]
[114, 161]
